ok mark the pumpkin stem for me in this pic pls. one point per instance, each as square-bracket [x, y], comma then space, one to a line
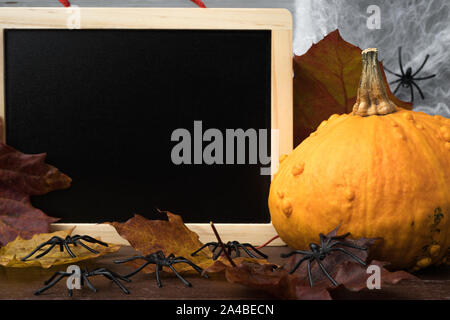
[372, 98]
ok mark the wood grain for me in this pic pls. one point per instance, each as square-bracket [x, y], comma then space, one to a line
[20, 284]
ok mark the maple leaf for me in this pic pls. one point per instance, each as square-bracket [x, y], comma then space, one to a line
[348, 273]
[326, 80]
[332, 261]
[13, 252]
[172, 236]
[220, 266]
[22, 176]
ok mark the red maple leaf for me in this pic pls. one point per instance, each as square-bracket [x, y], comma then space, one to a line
[326, 80]
[22, 176]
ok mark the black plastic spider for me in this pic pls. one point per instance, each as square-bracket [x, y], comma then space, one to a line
[408, 79]
[320, 252]
[84, 279]
[64, 243]
[160, 260]
[232, 246]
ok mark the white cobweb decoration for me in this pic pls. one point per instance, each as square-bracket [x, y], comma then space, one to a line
[421, 27]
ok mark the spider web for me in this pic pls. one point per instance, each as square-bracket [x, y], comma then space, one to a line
[420, 26]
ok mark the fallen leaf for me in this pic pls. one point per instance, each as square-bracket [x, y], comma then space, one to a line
[354, 277]
[219, 266]
[22, 176]
[172, 236]
[332, 261]
[274, 280]
[348, 273]
[326, 80]
[13, 252]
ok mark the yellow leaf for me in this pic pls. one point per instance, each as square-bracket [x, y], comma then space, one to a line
[13, 252]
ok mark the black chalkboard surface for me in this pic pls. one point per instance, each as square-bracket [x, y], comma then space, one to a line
[103, 104]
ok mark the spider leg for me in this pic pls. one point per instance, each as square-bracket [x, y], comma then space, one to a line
[68, 250]
[218, 254]
[326, 273]
[412, 93]
[93, 240]
[299, 263]
[423, 64]
[311, 282]
[193, 265]
[425, 78]
[329, 239]
[420, 91]
[238, 252]
[287, 255]
[45, 252]
[396, 74]
[350, 245]
[89, 284]
[322, 239]
[119, 276]
[56, 274]
[256, 250]
[398, 80]
[187, 283]
[112, 273]
[351, 255]
[108, 275]
[137, 270]
[54, 279]
[230, 251]
[215, 244]
[250, 254]
[158, 279]
[85, 246]
[129, 259]
[36, 249]
[341, 237]
[398, 87]
[400, 60]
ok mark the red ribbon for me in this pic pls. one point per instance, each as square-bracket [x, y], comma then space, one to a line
[199, 3]
[65, 3]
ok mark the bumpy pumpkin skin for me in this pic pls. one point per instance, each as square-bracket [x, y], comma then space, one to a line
[378, 176]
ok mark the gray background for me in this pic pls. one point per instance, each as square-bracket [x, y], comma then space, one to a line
[421, 27]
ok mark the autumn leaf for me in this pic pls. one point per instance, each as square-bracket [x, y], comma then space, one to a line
[13, 252]
[221, 265]
[22, 176]
[326, 80]
[272, 279]
[348, 273]
[172, 236]
[332, 260]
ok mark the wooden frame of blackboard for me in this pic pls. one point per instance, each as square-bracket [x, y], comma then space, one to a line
[279, 21]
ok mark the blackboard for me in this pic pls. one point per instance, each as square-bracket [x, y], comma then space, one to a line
[103, 105]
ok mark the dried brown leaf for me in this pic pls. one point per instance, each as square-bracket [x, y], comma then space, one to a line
[172, 236]
[281, 284]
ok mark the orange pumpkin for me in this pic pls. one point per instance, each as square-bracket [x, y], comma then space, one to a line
[381, 171]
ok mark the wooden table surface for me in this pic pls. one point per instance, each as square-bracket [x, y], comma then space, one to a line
[18, 283]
